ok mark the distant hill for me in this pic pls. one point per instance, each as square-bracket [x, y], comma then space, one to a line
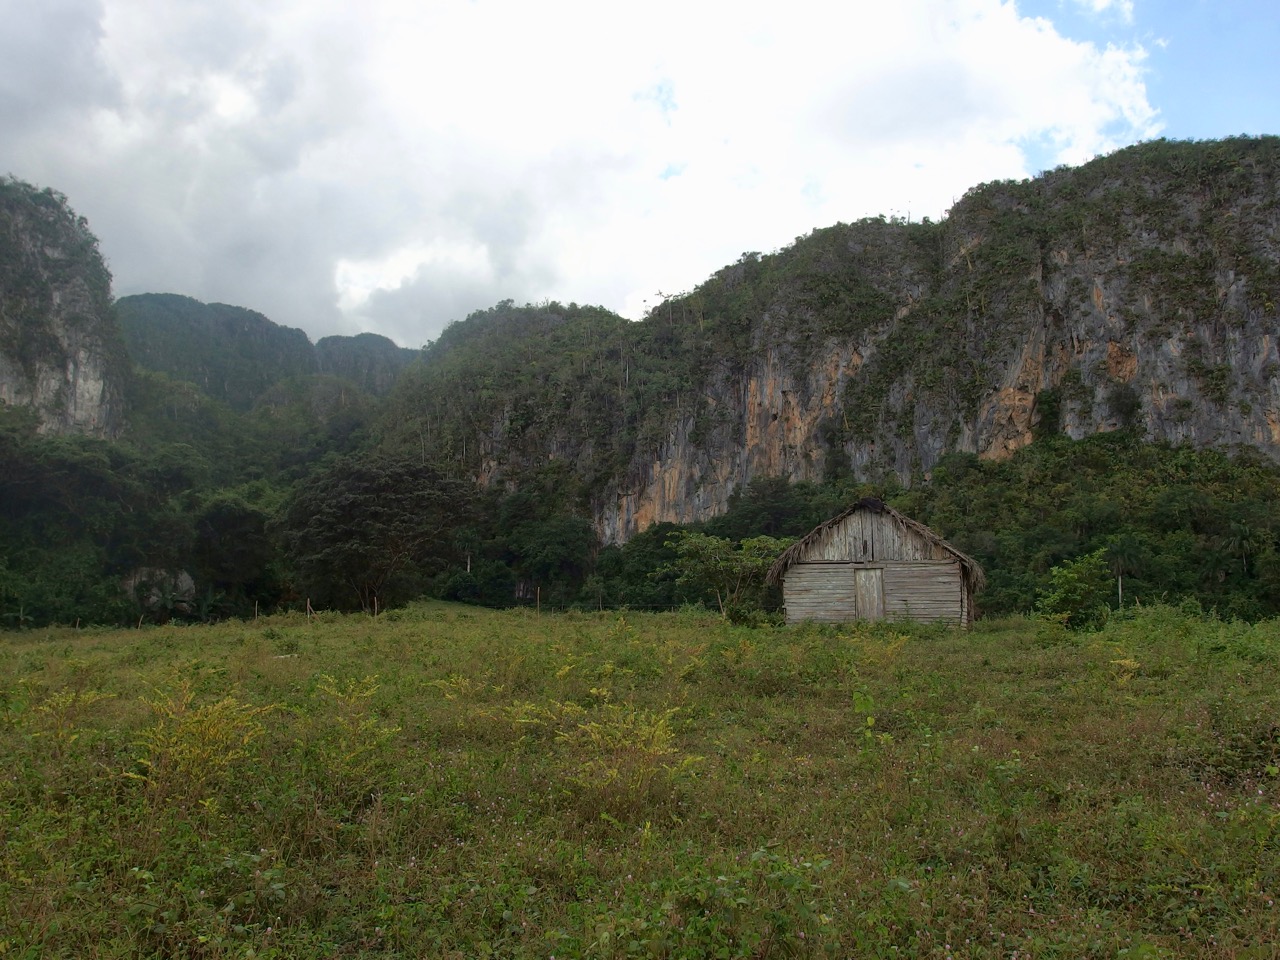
[369, 360]
[232, 354]
[236, 355]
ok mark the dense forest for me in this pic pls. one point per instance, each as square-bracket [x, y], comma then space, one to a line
[263, 512]
[247, 470]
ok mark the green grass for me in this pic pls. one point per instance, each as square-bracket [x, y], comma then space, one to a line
[448, 781]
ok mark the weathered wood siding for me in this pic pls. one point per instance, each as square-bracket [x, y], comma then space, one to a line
[925, 590]
[868, 537]
[868, 589]
[820, 591]
[871, 565]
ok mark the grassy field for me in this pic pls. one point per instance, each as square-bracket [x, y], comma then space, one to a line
[456, 782]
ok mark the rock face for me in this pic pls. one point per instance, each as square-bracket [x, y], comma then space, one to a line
[60, 349]
[1139, 291]
[767, 423]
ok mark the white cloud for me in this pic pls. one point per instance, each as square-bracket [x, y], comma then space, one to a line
[394, 166]
[1123, 8]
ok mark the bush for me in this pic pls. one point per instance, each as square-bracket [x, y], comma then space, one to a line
[1078, 592]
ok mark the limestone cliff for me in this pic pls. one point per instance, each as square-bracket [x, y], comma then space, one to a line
[60, 347]
[1138, 291]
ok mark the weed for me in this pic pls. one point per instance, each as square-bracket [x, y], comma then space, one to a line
[977, 793]
[191, 750]
[763, 905]
[351, 744]
[624, 761]
[60, 713]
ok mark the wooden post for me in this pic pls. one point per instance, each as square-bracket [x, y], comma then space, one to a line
[308, 608]
[538, 598]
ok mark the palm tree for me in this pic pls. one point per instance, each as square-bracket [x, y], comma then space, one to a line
[1215, 563]
[1124, 555]
[1241, 541]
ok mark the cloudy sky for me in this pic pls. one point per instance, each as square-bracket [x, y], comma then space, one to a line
[393, 165]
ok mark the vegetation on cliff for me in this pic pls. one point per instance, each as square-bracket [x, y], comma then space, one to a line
[238, 356]
[61, 352]
[232, 354]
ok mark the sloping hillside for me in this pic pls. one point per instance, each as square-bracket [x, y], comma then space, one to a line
[236, 356]
[1139, 290]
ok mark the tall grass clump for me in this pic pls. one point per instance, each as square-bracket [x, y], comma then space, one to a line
[190, 751]
[623, 762]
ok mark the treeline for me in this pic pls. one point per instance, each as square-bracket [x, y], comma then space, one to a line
[108, 532]
[1173, 523]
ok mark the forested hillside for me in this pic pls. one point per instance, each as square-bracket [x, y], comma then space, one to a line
[1138, 291]
[1074, 378]
[236, 355]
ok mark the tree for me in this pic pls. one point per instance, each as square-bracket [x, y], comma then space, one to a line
[639, 574]
[1241, 541]
[1124, 555]
[1078, 591]
[734, 574]
[488, 583]
[235, 555]
[362, 528]
[552, 554]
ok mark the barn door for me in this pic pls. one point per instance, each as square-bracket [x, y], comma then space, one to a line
[868, 588]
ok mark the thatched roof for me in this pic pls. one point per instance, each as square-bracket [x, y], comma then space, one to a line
[972, 569]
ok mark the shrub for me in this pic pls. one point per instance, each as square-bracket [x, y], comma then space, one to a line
[1078, 592]
[191, 750]
[624, 761]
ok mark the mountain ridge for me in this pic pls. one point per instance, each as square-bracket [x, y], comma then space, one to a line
[1136, 291]
[236, 355]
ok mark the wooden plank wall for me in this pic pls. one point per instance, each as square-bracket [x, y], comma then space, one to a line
[925, 590]
[819, 591]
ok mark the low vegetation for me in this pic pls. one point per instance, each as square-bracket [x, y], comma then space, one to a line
[459, 782]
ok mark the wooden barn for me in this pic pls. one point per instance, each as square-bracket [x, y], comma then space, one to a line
[871, 563]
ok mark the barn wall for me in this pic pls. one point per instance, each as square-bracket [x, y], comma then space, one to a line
[927, 591]
[919, 590]
[819, 591]
[869, 537]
